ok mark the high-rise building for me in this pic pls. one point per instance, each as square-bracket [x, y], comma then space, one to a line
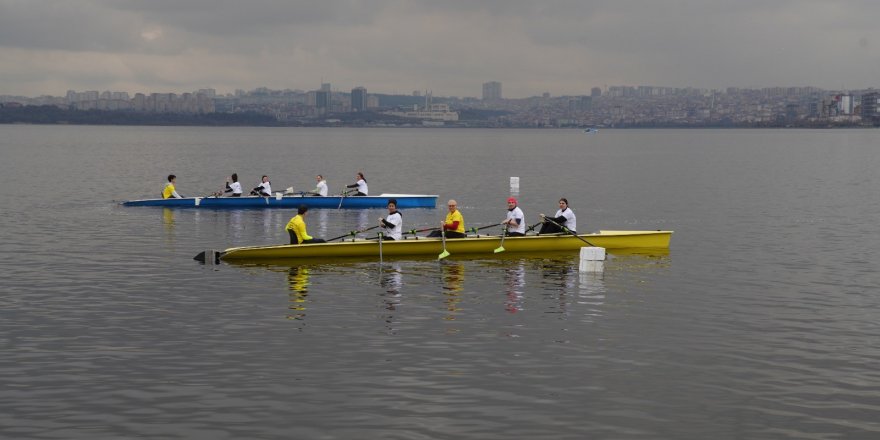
[491, 91]
[322, 101]
[358, 99]
[870, 105]
[595, 92]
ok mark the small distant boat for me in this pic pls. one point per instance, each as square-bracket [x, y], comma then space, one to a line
[591, 130]
[482, 245]
[292, 202]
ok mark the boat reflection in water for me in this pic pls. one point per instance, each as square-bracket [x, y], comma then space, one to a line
[298, 280]
[551, 286]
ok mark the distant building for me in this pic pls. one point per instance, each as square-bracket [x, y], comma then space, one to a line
[358, 99]
[322, 101]
[595, 92]
[436, 112]
[870, 105]
[431, 111]
[491, 91]
[845, 104]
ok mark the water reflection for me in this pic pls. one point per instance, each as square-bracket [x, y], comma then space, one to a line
[363, 219]
[560, 278]
[391, 279]
[168, 218]
[591, 294]
[514, 283]
[298, 281]
[236, 231]
[322, 223]
[168, 223]
[453, 285]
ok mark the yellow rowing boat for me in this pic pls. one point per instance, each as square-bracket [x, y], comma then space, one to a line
[480, 245]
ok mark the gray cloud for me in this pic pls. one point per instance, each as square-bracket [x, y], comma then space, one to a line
[451, 47]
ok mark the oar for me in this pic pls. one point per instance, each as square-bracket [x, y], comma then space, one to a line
[474, 230]
[353, 233]
[532, 227]
[445, 253]
[415, 231]
[344, 193]
[380, 248]
[569, 231]
[501, 247]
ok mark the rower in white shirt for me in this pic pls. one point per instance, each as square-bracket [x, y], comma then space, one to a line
[234, 187]
[263, 189]
[321, 189]
[515, 220]
[361, 185]
[564, 217]
[393, 222]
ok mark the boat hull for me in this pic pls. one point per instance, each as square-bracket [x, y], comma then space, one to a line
[483, 245]
[292, 202]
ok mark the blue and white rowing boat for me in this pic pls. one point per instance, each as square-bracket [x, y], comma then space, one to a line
[292, 201]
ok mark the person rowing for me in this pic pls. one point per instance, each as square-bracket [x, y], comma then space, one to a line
[170, 192]
[296, 228]
[234, 187]
[453, 226]
[393, 222]
[321, 188]
[361, 185]
[515, 221]
[564, 217]
[264, 189]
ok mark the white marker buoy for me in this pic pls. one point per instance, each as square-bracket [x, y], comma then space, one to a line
[592, 259]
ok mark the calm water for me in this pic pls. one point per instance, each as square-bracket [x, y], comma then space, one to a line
[761, 322]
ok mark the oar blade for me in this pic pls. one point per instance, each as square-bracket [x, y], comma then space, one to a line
[443, 254]
[499, 249]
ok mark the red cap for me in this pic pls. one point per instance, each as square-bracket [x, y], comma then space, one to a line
[511, 200]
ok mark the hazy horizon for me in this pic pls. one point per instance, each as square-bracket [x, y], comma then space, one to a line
[561, 47]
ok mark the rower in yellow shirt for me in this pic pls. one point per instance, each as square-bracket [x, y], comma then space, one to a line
[454, 223]
[169, 191]
[296, 228]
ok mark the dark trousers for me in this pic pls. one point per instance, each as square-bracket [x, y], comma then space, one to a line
[549, 228]
[515, 234]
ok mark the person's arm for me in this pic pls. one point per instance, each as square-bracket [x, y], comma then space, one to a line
[353, 185]
[228, 188]
[451, 226]
[387, 225]
[175, 194]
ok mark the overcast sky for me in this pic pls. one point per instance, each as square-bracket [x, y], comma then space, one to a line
[448, 46]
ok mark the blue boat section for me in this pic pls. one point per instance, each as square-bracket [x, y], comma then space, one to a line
[292, 202]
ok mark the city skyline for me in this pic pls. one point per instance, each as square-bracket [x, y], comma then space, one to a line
[557, 47]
